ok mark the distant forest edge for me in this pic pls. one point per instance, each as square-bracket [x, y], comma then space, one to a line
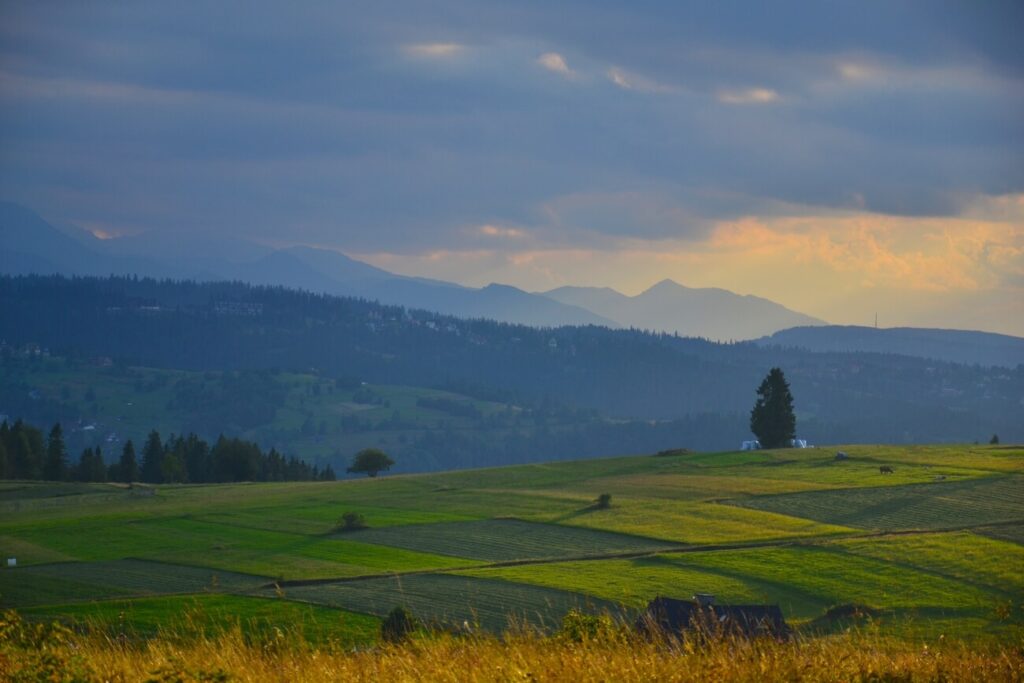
[587, 391]
[24, 454]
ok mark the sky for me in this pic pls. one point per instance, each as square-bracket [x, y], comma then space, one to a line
[842, 158]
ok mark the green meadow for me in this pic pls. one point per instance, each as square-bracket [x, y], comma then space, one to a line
[934, 547]
[213, 614]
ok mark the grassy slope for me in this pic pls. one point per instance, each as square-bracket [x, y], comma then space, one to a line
[214, 614]
[439, 523]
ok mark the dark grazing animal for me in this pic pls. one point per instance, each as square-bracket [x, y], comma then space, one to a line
[885, 469]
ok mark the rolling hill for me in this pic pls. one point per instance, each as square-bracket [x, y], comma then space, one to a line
[929, 549]
[955, 346]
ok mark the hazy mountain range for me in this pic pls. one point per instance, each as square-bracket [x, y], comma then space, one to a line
[31, 245]
[668, 306]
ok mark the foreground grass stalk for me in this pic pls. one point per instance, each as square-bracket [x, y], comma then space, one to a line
[39, 652]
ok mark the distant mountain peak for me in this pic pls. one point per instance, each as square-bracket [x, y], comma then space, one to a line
[668, 306]
[666, 285]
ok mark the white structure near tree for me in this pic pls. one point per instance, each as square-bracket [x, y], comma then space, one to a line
[755, 445]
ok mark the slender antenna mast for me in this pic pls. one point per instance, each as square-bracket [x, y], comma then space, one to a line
[876, 320]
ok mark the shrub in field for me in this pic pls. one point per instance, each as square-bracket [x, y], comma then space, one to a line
[580, 627]
[670, 452]
[398, 625]
[351, 521]
[604, 501]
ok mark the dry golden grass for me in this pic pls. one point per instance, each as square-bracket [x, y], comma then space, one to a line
[36, 652]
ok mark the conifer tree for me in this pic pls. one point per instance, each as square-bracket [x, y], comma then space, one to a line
[128, 467]
[152, 459]
[55, 468]
[772, 419]
[98, 469]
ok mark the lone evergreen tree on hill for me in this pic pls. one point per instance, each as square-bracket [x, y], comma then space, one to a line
[772, 419]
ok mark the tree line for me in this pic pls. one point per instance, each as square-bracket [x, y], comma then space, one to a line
[26, 454]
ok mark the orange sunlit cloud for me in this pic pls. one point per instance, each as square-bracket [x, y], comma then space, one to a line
[839, 266]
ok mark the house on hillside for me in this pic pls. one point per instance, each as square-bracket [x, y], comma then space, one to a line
[701, 615]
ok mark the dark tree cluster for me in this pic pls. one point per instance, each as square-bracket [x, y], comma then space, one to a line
[190, 459]
[23, 451]
[24, 454]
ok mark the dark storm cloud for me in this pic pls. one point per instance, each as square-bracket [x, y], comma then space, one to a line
[398, 125]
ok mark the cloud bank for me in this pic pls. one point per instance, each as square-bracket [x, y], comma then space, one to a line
[717, 143]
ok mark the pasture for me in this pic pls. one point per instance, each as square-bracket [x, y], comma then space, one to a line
[498, 540]
[523, 544]
[460, 602]
[967, 503]
[72, 582]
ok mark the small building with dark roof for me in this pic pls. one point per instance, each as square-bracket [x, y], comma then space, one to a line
[678, 617]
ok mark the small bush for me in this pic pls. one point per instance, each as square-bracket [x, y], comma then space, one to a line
[672, 452]
[603, 502]
[579, 627]
[351, 521]
[398, 625]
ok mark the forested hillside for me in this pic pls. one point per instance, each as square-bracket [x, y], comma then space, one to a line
[956, 346]
[692, 386]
